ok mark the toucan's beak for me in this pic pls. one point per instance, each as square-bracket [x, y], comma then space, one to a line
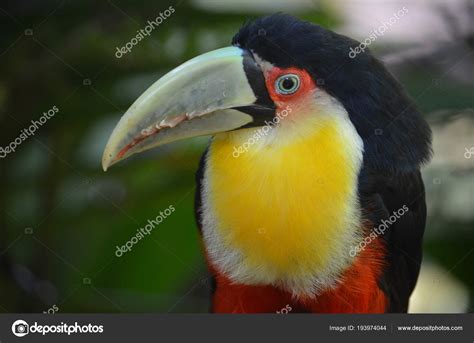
[218, 91]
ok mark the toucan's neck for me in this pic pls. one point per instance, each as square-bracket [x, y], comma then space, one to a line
[283, 209]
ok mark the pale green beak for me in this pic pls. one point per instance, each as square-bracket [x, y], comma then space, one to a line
[197, 98]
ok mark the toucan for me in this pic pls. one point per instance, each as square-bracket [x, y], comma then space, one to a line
[309, 195]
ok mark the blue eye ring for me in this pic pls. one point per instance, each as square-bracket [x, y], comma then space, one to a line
[287, 84]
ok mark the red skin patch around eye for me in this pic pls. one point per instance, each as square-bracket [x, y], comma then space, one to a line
[307, 86]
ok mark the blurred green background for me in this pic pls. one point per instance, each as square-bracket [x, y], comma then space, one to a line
[61, 217]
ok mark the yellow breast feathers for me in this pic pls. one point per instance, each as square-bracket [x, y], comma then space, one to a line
[285, 207]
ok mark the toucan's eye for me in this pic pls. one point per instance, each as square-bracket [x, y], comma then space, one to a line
[287, 84]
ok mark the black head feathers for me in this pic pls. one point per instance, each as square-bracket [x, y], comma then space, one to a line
[396, 137]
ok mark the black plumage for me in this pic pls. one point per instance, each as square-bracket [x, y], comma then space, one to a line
[396, 138]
